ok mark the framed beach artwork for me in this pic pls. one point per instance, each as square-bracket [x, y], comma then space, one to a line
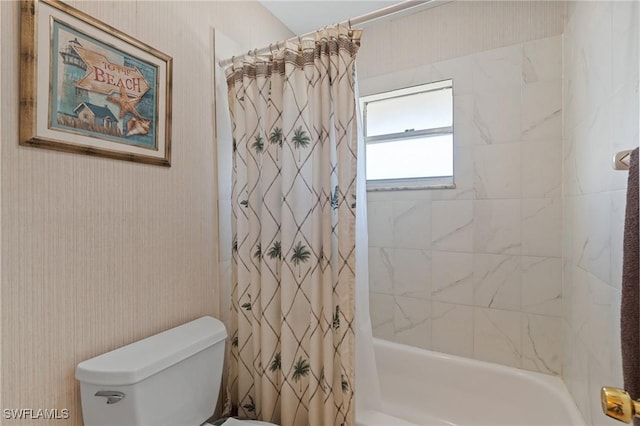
[88, 88]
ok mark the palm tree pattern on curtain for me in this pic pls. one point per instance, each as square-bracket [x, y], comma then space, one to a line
[293, 265]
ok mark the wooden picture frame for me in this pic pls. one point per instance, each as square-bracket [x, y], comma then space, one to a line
[88, 88]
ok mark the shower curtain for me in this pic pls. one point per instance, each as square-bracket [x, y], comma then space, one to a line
[295, 170]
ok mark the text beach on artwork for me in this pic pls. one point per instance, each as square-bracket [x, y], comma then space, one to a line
[100, 91]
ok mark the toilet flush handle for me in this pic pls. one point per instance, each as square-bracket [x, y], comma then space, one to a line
[112, 396]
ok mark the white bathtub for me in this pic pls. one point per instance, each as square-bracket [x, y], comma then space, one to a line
[422, 387]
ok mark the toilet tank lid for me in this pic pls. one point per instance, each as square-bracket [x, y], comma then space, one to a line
[135, 362]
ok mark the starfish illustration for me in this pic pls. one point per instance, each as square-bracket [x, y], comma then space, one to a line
[126, 103]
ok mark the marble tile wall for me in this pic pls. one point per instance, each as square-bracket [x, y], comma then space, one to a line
[477, 270]
[600, 118]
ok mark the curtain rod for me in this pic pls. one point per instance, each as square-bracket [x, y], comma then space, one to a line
[367, 17]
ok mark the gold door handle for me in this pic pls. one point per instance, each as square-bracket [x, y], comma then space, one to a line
[617, 404]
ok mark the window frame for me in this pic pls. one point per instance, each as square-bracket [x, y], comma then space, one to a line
[424, 182]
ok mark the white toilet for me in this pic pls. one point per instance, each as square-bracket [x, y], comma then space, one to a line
[170, 379]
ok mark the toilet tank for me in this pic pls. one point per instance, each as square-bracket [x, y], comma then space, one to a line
[171, 378]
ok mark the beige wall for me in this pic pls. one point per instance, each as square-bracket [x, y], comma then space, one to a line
[97, 253]
[452, 30]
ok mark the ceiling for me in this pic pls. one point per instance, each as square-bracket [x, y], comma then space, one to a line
[304, 16]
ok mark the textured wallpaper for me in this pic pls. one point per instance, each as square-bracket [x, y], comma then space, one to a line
[98, 253]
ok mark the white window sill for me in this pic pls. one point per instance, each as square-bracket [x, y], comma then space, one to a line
[410, 184]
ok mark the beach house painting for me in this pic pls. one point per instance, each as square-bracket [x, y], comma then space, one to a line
[100, 91]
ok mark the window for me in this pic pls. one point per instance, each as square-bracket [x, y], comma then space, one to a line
[409, 137]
